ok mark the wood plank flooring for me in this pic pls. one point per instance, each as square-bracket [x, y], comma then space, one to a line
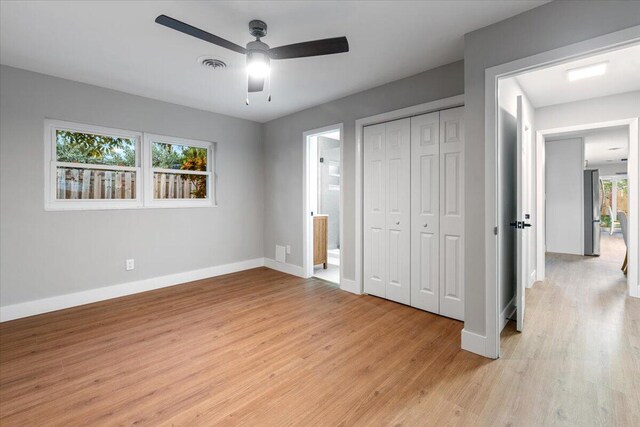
[264, 348]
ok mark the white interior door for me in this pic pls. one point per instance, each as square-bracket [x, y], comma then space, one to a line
[452, 213]
[375, 251]
[521, 211]
[425, 212]
[398, 155]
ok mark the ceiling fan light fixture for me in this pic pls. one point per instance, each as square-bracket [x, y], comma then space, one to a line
[258, 64]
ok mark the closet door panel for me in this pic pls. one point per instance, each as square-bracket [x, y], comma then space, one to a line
[425, 211]
[375, 240]
[398, 154]
[452, 210]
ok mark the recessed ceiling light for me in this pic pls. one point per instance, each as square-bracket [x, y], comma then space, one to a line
[615, 148]
[586, 72]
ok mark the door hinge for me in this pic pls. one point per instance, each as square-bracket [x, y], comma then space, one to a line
[495, 231]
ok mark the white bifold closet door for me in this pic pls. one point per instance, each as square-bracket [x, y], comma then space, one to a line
[451, 213]
[413, 211]
[387, 180]
[425, 212]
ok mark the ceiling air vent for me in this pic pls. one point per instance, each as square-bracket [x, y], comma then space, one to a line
[209, 62]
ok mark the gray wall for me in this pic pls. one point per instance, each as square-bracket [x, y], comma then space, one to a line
[283, 154]
[45, 254]
[541, 29]
[564, 166]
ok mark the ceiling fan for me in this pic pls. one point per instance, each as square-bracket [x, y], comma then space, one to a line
[258, 53]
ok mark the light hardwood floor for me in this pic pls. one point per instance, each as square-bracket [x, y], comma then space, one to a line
[264, 348]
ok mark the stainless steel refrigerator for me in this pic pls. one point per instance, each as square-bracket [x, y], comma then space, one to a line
[592, 206]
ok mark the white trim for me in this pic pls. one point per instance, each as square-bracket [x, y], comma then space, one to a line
[532, 278]
[45, 305]
[507, 313]
[541, 207]
[180, 171]
[148, 169]
[567, 53]
[349, 286]
[441, 104]
[95, 166]
[307, 224]
[633, 274]
[294, 270]
[473, 342]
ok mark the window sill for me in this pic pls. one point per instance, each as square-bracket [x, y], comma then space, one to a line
[60, 207]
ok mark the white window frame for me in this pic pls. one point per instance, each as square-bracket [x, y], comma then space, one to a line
[149, 200]
[51, 164]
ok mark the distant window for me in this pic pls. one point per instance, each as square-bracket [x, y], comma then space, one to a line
[180, 173]
[91, 167]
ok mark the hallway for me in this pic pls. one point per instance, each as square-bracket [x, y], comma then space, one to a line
[581, 344]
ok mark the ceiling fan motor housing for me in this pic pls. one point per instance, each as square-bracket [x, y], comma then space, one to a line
[258, 28]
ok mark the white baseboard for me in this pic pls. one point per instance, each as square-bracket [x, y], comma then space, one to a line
[507, 313]
[284, 267]
[349, 286]
[474, 343]
[45, 305]
[532, 278]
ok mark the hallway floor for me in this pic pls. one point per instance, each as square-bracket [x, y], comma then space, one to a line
[578, 360]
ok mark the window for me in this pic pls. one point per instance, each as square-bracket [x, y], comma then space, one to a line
[91, 167]
[179, 172]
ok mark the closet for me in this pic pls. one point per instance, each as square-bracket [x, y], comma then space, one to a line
[413, 211]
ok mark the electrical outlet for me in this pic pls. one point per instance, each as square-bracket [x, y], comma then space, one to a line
[289, 249]
[130, 264]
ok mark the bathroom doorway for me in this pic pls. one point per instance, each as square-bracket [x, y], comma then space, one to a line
[323, 200]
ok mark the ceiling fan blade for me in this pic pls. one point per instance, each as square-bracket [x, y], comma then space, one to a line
[198, 33]
[256, 84]
[312, 48]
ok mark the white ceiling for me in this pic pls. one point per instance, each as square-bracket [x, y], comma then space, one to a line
[550, 86]
[604, 146]
[117, 45]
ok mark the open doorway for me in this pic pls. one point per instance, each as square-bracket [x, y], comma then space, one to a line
[323, 203]
[567, 146]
